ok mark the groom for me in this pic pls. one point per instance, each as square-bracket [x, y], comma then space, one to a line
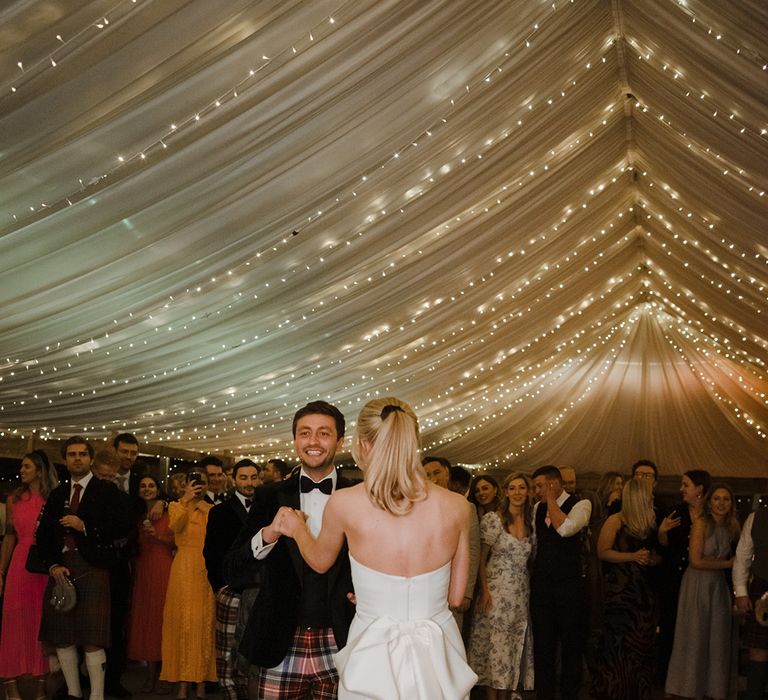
[300, 618]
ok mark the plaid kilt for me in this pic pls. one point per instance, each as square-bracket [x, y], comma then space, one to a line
[754, 635]
[234, 685]
[88, 621]
[307, 671]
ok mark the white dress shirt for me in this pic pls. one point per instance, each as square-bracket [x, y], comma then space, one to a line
[312, 503]
[742, 563]
[576, 520]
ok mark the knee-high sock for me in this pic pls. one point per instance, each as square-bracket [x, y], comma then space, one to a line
[95, 662]
[757, 671]
[67, 657]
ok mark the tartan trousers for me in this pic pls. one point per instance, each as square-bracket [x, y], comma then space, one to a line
[308, 671]
[234, 685]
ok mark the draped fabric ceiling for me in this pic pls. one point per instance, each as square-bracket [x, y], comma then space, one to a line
[540, 223]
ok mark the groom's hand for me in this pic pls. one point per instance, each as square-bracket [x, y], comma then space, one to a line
[271, 533]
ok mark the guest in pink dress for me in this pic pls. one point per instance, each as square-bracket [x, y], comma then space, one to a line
[20, 651]
[152, 567]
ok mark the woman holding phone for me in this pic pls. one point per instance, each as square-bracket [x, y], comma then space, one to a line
[188, 653]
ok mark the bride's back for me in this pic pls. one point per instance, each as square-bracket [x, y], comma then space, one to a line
[424, 539]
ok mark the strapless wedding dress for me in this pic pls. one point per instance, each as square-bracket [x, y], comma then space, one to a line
[403, 642]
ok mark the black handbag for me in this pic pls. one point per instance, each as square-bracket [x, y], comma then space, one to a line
[35, 564]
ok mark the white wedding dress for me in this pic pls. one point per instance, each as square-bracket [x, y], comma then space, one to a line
[403, 642]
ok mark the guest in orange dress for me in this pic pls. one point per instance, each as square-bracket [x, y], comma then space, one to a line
[188, 651]
[151, 570]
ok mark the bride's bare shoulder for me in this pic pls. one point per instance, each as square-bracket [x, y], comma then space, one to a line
[448, 499]
[350, 493]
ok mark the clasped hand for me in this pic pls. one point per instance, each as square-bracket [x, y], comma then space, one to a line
[289, 521]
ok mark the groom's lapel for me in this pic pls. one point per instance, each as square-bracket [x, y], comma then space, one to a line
[289, 496]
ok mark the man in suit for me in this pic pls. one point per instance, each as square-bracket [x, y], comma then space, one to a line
[558, 585]
[78, 527]
[274, 470]
[217, 479]
[437, 470]
[225, 521]
[106, 466]
[300, 618]
[126, 448]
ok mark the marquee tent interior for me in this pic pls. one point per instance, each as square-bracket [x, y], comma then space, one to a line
[542, 223]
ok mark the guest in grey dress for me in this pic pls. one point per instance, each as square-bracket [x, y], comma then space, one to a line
[702, 653]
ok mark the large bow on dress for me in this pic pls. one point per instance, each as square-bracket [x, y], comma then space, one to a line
[408, 659]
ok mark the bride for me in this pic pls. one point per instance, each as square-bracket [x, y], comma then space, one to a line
[409, 552]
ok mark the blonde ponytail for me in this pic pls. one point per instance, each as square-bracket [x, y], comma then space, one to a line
[393, 475]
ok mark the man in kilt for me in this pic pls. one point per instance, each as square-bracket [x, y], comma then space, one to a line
[225, 521]
[78, 527]
[750, 583]
[300, 618]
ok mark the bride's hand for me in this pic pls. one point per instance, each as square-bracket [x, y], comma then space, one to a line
[289, 521]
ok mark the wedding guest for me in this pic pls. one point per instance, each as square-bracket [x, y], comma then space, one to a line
[701, 654]
[609, 490]
[625, 648]
[78, 527]
[558, 585]
[484, 495]
[187, 648]
[274, 470]
[225, 521]
[126, 447]
[176, 483]
[20, 651]
[501, 645]
[750, 583]
[151, 571]
[106, 466]
[459, 480]
[217, 480]
[674, 533]
[437, 470]
[569, 480]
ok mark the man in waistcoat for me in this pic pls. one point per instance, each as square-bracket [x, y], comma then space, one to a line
[750, 584]
[558, 585]
[300, 618]
[225, 520]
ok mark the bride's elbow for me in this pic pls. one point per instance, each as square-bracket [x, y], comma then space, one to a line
[320, 566]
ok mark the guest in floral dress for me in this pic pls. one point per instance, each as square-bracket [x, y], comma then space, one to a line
[501, 646]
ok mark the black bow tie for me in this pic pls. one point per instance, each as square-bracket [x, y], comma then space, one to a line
[325, 486]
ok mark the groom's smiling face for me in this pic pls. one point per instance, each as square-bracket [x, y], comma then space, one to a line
[316, 443]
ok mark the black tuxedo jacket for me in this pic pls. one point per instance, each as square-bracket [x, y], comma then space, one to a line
[225, 521]
[275, 613]
[106, 518]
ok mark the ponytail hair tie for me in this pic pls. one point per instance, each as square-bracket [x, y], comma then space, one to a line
[389, 408]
